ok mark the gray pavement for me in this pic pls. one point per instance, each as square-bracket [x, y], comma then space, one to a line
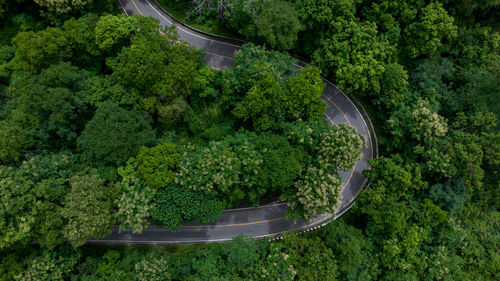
[265, 221]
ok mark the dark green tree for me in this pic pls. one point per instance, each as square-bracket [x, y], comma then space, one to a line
[277, 25]
[49, 105]
[176, 204]
[114, 134]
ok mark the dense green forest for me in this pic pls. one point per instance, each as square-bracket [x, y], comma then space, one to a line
[106, 120]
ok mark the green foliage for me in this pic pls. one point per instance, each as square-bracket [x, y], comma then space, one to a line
[340, 147]
[394, 81]
[114, 134]
[310, 258]
[213, 169]
[277, 25]
[423, 134]
[49, 105]
[50, 265]
[177, 204]
[316, 194]
[317, 16]
[100, 90]
[113, 32]
[281, 162]
[353, 55]
[336, 236]
[306, 133]
[261, 104]
[302, 95]
[13, 141]
[153, 268]
[82, 37]
[240, 13]
[135, 202]
[156, 165]
[244, 145]
[31, 199]
[425, 35]
[63, 6]
[451, 195]
[88, 208]
[251, 64]
[38, 50]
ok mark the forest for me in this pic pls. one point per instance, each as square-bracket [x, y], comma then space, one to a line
[109, 120]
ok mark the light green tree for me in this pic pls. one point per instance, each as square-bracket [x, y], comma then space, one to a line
[302, 95]
[425, 35]
[114, 135]
[88, 209]
[157, 165]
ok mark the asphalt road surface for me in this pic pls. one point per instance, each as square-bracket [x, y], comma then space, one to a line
[268, 220]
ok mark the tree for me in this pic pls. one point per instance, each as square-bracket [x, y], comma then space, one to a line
[423, 133]
[49, 105]
[176, 204]
[316, 194]
[135, 202]
[310, 258]
[100, 90]
[31, 199]
[153, 268]
[336, 235]
[277, 25]
[114, 135]
[425, 35]
[63, 6]
[157, 164]
[251, 64]
[81, 36]
[450, 195]
[354, 55]
[114, 32]
[302, 95]
[88, 208]
[393, 183]
[38, 50]
[394, 81]
[13, 141]
[340, 148]
[214, 169]
[49, 265]
[240, 13]
[281, 162]
[261, 105]
[160, 67]
[317, 16]
[244, 145]
[306, 134]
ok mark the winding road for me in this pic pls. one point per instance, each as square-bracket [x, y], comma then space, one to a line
[268, 220]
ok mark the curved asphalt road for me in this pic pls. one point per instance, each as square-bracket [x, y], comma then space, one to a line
[265, 221]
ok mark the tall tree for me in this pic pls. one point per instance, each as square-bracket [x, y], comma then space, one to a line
[302, 95]
[114, 135]
[37, 50]
[88, 209]
[277, 25]
[49, 105]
